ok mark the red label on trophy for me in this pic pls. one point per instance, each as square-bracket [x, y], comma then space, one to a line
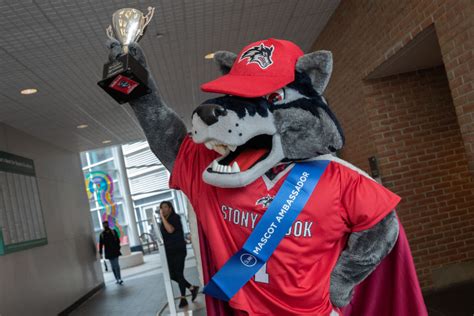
[123, 84]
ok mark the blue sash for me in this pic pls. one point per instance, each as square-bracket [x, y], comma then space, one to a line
[270, 230]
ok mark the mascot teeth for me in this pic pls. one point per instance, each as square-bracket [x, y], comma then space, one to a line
[208, 145]
[220, 148]
[235, 167]
[282, 124]
[216, 167]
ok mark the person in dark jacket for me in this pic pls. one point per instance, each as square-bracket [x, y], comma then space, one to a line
[111, 241]
[175, 246]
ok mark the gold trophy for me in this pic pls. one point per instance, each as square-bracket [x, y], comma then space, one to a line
[124, 79]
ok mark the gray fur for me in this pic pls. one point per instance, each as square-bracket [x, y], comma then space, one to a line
[224, 60]
[318, 65]
[163, 128]
[304, 135]
[297, 134]
[115, 49]
[364, 251]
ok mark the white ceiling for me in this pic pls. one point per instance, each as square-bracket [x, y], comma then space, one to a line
[57, 46]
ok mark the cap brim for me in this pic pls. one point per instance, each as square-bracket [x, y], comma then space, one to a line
[245, 86]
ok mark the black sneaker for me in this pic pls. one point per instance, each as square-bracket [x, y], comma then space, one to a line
[120, 282]
[183, 303]
[194, 292]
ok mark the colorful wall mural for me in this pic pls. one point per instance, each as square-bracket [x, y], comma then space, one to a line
[100, 185]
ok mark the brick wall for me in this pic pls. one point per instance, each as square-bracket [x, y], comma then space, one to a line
[422, 158]
[419, 125]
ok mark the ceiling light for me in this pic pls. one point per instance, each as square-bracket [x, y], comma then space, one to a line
[82, 126]
[106, 141]
[209, 56]
[29, 91]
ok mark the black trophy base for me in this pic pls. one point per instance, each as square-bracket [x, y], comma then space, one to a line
[125, 79]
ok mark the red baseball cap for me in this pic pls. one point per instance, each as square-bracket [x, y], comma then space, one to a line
[260, 68]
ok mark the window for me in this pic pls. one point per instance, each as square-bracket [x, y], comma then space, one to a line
[108, 167]
[142, 227]
[100, 155]
[138, 214]
[92, 203]
[117, 193]
[120, 214]
[84, 159]
[97, 236]
[96, 220]
[149, 213]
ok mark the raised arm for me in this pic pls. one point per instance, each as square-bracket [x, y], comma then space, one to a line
[163, 128]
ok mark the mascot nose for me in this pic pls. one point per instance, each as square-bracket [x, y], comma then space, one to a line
[210, 113]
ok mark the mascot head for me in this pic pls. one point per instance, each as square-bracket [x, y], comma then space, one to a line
[272, 111]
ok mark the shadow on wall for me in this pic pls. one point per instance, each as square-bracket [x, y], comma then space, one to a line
[456, 300]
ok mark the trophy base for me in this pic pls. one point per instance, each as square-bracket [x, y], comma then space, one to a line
[125, 79]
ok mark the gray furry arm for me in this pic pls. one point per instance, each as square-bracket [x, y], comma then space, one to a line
[163, 128]
[364, 251]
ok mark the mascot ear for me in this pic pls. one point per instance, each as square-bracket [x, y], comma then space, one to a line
[318, 66]
[224, 60]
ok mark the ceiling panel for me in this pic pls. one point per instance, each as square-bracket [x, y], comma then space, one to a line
[57, 46]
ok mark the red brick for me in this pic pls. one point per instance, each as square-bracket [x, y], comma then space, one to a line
[423, 138]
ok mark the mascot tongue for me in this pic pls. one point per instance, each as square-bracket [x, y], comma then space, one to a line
[249, 157]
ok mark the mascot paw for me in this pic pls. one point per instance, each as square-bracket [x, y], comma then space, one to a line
[341, 292]
[137, 53]
[115, 50]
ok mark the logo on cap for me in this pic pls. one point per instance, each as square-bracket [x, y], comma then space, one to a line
[260, 55]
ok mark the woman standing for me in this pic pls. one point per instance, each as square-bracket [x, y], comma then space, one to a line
[175, 246]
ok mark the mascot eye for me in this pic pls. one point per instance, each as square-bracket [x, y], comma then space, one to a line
[276, 96]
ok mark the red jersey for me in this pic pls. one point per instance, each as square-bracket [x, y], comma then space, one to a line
[296, 278]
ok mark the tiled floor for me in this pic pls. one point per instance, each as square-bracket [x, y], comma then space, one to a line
[142, 293]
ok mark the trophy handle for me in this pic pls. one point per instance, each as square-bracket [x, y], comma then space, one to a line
[110, 33]
[147, 18]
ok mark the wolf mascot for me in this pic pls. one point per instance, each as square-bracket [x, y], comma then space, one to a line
[241, 148]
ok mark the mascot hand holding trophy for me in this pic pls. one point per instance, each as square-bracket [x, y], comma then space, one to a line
[286, 227]
[124, 78]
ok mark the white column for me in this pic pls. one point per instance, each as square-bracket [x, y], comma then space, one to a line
[127, 198]
[194, 237]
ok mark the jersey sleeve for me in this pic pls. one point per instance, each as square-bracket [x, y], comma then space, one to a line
[189, 165]
[365, 202]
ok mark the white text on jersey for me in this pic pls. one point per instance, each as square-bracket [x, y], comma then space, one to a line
[250, 220]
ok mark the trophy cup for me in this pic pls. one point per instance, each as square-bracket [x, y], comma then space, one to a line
[125, 79]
